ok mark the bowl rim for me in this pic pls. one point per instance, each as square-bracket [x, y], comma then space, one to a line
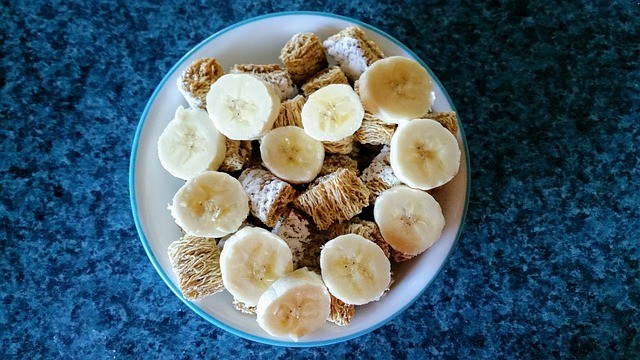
[165, 277]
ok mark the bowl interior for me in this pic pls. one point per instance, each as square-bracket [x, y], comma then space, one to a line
[259, 41]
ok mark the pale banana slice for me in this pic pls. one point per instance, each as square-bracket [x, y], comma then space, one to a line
[242, 106]
[355, 269]
[410, 220]
[294, 305]
[396, 89]
[424, 154]
[291, 154]
[210, 204]
[190, 144]
[332, 113]
[252, 259]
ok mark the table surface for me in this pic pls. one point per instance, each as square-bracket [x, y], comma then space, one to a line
[547, 264]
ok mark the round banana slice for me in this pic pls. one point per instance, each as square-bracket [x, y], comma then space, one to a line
[252, 259]
[210, 204]
[355, 269]
[423, 154]
[396, 89]
[291, 154]
[410, 220]
[294, 305]
[332, 113]
[190, 144]
[242, 106]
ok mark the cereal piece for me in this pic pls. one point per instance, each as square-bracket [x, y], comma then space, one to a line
[196, 263]
[243, 308]
[303, 240]
[344, 146]
[399, 257]
[272, 74]
[335, 197]
[237, 157]
[195, 81]
[303, 56]
[378, 176]
[268, 195]
[366, 229]
[448, 119]
[341, 312]
[374, 131]
[335, 162]
[332, 75]
[290, 112]
[353, 51]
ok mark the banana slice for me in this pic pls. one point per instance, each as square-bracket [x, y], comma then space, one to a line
[424, 154]
[251, 260]
[332, 113]
[242, 106]
[396, 89]
[355, 269]
[291, 154]
[210, 204]
[190, 144]
[294, 305]
[410, 220]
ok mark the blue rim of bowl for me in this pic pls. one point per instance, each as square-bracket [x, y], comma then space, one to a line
[145, 243]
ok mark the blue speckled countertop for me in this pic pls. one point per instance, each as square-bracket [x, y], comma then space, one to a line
[547, 265]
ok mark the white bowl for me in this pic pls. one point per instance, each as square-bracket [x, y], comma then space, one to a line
[259, 40]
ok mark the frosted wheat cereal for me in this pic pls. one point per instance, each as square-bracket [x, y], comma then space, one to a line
[303, 56]
[195, 81]
[196, 263]
[333, 198]
[378, 176]
[268, 195]
[353, 51]
[331, 75]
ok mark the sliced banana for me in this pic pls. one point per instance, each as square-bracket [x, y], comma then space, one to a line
[294, 305]
[410, 220]
[291, 154]
[355, 269]
[424, 154]
[252, 259]
[242, 106]
[210, 204]
[332, 113]
[190, 144]
[396, 89]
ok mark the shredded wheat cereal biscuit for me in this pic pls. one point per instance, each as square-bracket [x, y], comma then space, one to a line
[268, 195]
[303, 239]
[331, 75]
[291, 112]
[448, 119]
[195, 81]
[374, 131]
[335, 162]
[353, 51]
[343, 146]
[237, 157]
[243, 308]
[303, 56]
[341, 312]
[378, 176]
[196, 263]
[272, 74]
[335, 197]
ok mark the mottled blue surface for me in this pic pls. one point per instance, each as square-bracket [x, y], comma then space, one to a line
[548, 263]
